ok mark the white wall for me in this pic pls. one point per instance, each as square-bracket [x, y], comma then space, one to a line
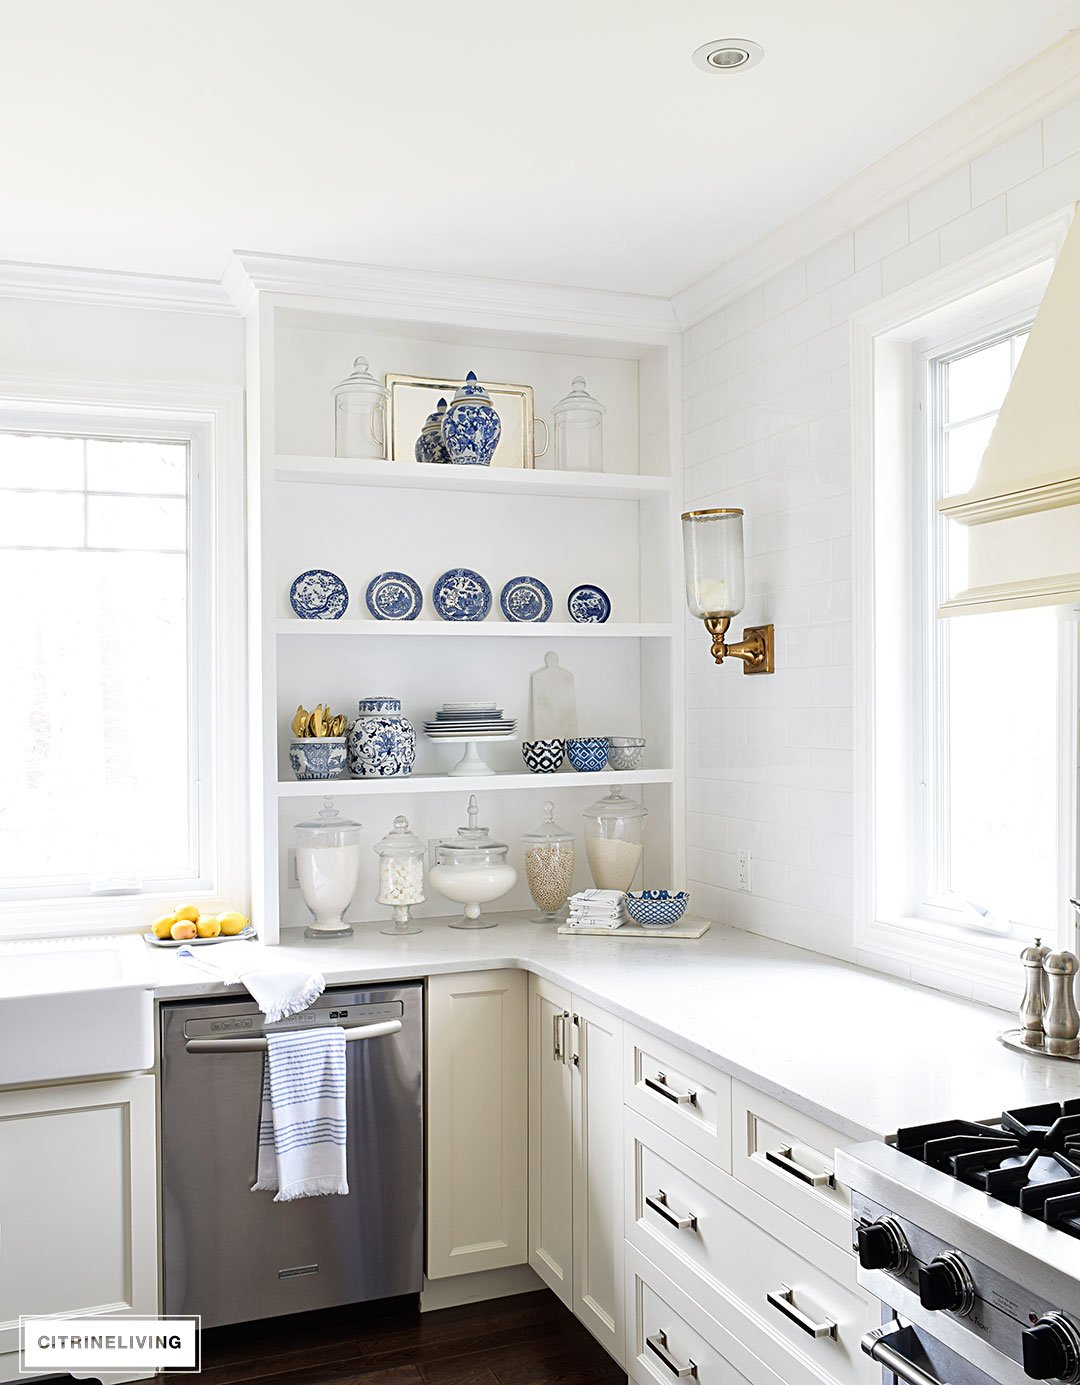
[767, 427]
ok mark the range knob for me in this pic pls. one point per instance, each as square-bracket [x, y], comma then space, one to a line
[882, 1245]
[946, 1285]
[1052, 1349]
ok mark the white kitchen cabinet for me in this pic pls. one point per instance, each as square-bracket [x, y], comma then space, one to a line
[477, 1122]
[575, 1164]
[78, 1204]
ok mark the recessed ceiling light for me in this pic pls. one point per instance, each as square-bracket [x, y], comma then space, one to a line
[728, 55]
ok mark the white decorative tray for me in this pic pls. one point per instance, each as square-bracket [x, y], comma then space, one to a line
[248, 932]
[1011, 1038]
[687, 927]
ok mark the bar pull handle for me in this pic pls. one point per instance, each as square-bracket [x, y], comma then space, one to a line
[557, 1053]
[258, 1044]
[659, 1084]
[782, 1301]
[659, 1347]
[877, 1346]
[782, 1159]
[658, 1203]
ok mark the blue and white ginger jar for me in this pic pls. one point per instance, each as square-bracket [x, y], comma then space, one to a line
[382, 742]
[429, 445]
[471, 428]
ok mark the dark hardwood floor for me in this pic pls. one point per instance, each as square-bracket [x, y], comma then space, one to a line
[530, 1339]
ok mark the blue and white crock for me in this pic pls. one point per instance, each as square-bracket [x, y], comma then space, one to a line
[471, 428]
[382, 742]
[429, 445]
[318, 757]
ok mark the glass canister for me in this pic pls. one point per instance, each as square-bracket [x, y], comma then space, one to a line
[401, 876]
[382, 740]
[328, 869]
[613, 828]
[472, 869]
[549, 866]
[579, 430]
[360, 415]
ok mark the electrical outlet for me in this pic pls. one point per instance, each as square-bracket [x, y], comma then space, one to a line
[743, 877]
[290, 869]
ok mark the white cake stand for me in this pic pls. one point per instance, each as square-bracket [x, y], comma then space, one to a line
[472, 762]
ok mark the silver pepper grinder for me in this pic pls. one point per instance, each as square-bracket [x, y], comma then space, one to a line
[1062, 1019]
[1033, 1005]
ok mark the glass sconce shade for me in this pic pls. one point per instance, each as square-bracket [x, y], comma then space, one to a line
[713, 562]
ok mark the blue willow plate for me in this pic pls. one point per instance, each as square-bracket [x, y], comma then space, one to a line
[526, 598]
[318, 595]
[589, 605]
[461, 594]
[394, 596]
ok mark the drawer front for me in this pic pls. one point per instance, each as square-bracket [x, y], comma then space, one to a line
[672, 1339]
[681, 1094]
[769, 1280]
[790, 1159]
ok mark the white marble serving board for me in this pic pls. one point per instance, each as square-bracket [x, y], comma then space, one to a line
[687, 927]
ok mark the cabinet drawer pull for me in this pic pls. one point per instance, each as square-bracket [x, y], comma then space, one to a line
[782, 1159]
[658, 1345]
[781, 1300]
[659, 1085]
[558, 1047]
[658, 1203]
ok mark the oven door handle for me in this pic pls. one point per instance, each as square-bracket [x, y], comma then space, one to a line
[258, 1045]
[877, 1346]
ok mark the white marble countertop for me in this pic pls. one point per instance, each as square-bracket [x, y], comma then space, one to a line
[862, 1052]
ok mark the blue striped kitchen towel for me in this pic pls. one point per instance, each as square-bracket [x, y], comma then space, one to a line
[302, 1115]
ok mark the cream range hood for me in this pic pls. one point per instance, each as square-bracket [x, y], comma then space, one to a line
[1023, 512]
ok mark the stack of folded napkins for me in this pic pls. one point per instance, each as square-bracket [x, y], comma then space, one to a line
[598, 909]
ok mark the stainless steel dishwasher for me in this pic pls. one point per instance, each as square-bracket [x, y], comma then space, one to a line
[234, 1255]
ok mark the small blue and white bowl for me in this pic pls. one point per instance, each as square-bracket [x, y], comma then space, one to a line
[318, 757]
[587, 754]
[657, 908]
[543, 757]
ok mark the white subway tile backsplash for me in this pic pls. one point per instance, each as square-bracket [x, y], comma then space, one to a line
[880, 237]
[1006, 165]
[830, 264]
[942, 201]
[1061, 134]
[973, 231]
[849, 295]
[1046, 193]
[784, 290]
[914, 261]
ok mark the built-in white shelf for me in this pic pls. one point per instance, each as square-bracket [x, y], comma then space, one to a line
[448, 783]
[481, 480]
[466, 629]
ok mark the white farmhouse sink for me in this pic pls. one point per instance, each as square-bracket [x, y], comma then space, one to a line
[79, 1008]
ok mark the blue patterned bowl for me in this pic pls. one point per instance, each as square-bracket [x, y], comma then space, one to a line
[318, 757]
[657, 908]
[588, 753]
[543, 757]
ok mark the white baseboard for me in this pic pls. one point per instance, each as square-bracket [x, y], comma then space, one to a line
[475, 1288]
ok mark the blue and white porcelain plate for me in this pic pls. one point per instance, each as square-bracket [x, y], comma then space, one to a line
[525, 598]
[394, 596]
[461, 594]
[589, 605]
[319, 595]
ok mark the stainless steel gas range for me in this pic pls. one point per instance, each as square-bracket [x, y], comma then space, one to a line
[969, 1232]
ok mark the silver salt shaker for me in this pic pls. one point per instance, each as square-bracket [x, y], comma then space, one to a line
[1062, 1019]
[1033, 1005]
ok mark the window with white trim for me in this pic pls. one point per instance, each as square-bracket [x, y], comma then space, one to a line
[106, 628]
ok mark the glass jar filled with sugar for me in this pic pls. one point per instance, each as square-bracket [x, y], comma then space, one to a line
[613, 831]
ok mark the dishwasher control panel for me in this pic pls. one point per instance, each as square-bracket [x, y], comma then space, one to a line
[374, 1012]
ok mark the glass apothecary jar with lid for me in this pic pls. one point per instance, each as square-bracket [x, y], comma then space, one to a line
[360, 415]
[613, 831]
[471, 868]
[579, 430]
[549, 866]
[401, 876]
[328, 869]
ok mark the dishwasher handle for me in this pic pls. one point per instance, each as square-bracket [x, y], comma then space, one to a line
[258, 1044]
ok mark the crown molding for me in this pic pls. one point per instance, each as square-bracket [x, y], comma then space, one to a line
[112, 289]
[1045, 83]
[250, 273]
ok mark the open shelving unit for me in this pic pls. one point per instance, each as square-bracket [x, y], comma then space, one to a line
[309, 508]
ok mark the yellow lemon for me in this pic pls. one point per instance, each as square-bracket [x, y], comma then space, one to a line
[188, 911]
[232, 923]
[208, 926]
[161, 927]
[183, 930]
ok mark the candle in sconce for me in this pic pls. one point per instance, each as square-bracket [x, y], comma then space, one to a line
[714, 597]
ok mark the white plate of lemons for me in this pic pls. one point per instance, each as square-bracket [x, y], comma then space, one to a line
[189, 927]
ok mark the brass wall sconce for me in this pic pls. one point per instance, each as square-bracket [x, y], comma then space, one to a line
[716, 586]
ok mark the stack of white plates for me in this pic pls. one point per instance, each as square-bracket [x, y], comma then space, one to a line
[459, 720]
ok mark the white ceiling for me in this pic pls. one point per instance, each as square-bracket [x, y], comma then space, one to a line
[564, 141]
